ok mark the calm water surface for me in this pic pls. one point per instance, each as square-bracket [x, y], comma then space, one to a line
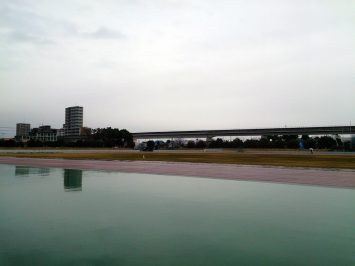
[74, 217]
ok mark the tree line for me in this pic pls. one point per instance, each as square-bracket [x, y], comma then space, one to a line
[114, 137]
[270, 142]
[275, 141]
[99, 137]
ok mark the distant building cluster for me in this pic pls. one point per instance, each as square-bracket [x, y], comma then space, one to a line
[72, 130]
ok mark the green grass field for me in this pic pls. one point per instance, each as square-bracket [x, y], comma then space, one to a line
[289, 160]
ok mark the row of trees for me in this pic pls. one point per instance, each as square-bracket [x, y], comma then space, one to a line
[100, 137]
[279, 142]
[113, 137]
[284, 141]
[7, 143]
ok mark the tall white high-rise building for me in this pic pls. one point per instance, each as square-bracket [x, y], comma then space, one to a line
[73, 120]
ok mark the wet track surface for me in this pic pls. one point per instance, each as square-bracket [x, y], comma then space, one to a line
[305, 176]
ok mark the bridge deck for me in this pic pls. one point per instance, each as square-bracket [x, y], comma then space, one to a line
[248, 132]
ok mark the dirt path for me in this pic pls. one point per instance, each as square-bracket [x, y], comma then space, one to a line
[321, 177]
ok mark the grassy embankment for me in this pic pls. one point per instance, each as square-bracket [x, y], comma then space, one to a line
[289, 160]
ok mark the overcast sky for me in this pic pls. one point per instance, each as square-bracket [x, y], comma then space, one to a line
[149, 65]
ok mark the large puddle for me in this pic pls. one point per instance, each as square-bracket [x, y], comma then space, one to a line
[51, 216]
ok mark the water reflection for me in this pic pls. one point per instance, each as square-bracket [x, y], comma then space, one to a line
[73, 179]
[26, 171]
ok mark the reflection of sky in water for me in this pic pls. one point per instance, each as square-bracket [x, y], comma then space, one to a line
[140, 219]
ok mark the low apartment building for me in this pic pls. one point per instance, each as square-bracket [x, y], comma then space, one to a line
[44, 134]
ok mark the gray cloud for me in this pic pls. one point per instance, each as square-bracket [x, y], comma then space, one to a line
[18, 36]
[19, 24]
[105, 33]
[27, 31]
[23, 25]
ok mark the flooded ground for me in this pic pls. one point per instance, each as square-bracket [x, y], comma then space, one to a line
[53, 216]
[292, 175]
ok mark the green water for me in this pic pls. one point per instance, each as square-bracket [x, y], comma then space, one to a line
[74, 217]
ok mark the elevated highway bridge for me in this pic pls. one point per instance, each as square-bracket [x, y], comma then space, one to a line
[209, 134]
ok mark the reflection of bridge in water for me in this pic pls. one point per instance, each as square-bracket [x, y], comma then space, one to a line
[73, 179]
[209, 134]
